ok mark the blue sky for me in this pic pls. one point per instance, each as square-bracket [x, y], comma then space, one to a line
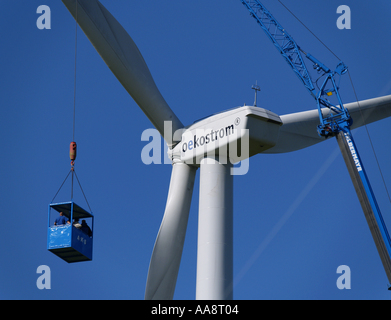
[296, 215]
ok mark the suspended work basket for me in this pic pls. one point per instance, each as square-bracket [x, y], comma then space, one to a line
[70, 229]
[71, 241]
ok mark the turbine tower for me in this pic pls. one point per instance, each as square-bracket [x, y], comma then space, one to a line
[212, 145]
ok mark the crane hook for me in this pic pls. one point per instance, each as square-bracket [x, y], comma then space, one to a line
[72, 153]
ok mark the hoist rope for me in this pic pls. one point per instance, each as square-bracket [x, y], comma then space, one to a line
[74, 82]
[370, 140]
[355, 94]
[61, 186]
[73, 172]
[82, 191]
[74, 125]
[74, 99]
[308, 29]
[77, 178]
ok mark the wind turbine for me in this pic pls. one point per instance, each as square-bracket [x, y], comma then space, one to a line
[253, 130]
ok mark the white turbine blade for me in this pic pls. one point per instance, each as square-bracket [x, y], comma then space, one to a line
[167, 252]
[122, 56]
[299, 129]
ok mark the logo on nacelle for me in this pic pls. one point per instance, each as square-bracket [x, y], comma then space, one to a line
[212, 136]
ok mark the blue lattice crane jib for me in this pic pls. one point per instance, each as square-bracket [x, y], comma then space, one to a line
[335, 120]
[338, 118]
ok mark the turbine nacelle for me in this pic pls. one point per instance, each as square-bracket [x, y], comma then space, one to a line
[236, 134]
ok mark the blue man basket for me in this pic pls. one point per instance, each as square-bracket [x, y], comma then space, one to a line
[66, 241]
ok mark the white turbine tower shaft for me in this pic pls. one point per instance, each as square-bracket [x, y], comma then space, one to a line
[215, 231]
[268, 133]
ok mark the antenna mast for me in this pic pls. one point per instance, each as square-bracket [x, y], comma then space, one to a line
[256, 88]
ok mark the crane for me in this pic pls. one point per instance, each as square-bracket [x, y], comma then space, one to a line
[335, 120]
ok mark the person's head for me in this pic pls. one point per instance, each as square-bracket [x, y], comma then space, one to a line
[61, 214]
[83, 223]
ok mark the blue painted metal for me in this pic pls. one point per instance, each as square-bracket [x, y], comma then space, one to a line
[369, 191]
[282, 40]
[59, 237]
[332, 122]
[368, 201]
[291, 52]
[68, 242]
[338, 117]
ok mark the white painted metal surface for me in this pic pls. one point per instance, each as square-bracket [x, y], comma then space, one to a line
[215, 231]
[297, 131]
[267, 135]
[167, 252]
[122, 56]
